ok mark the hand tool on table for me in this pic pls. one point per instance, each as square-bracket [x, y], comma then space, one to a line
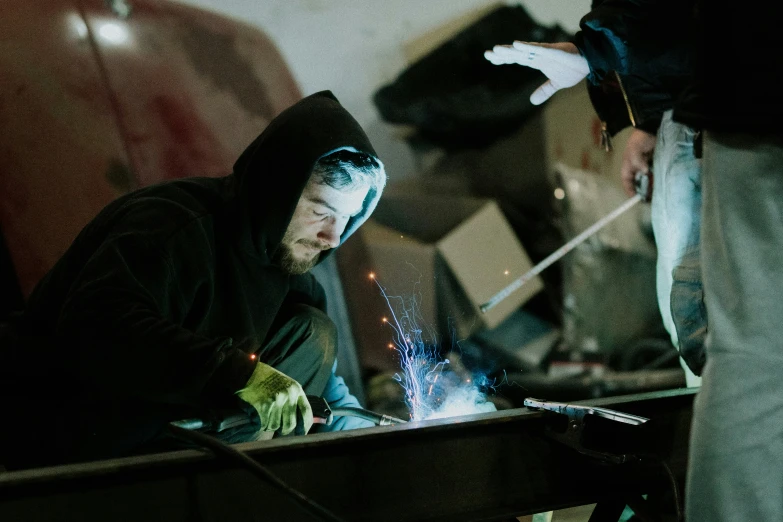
[577, 414]
[642, 183]
[574, 436]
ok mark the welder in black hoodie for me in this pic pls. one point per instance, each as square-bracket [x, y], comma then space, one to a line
[193, 296]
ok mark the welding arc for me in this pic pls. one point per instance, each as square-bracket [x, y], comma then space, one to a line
[560, 252]
[219, 448]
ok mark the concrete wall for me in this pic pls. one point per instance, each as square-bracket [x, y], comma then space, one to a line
[355, 46]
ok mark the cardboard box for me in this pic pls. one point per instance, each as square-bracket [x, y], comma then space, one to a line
[416, 48]
[449, 253]
[608, 282]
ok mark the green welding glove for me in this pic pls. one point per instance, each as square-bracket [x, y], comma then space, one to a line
[277, 398]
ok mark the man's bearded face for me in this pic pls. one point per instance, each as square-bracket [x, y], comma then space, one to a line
[319, 220]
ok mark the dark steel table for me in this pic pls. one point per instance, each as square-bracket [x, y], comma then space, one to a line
[484, 467]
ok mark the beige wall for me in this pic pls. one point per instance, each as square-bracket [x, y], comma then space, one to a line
[355, 46]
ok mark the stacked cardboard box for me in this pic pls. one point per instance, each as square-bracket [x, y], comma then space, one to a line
[446, 254]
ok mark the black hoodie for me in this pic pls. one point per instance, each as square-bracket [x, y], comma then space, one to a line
[153, 310]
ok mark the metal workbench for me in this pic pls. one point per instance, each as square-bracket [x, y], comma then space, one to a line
[483, 467]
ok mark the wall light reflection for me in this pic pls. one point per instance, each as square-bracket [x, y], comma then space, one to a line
[77, 26]
[112, 32]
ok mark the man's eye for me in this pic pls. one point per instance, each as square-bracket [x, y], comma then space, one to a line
[319, 214]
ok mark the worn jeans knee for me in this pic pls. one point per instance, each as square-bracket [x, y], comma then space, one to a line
[689, 314]
[676, 219]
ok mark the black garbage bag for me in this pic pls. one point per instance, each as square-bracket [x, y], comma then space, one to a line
[457, 99]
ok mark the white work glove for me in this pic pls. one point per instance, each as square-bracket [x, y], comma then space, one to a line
[277, 398]
[637, 157]
[560, 62]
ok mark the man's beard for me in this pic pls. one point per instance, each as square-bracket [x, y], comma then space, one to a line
[284, 257]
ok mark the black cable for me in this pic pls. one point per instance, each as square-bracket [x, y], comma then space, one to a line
[655, 460]
[675, 490]
[222, 449]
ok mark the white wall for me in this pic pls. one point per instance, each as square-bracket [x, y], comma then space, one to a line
[353, 47]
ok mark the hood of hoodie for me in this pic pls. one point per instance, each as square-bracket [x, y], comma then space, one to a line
[274, 169]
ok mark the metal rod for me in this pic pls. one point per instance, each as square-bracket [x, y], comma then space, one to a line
[560, 252]
[379, 419]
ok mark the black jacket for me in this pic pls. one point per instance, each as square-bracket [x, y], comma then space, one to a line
[151, 313]
[641, 55]
[737, 81]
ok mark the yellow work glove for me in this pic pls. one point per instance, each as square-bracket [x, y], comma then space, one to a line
[277, 398]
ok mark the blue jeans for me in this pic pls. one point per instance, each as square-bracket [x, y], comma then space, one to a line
[675, 212]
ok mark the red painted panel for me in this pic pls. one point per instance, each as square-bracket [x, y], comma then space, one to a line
[93, 104]
[58, 137]
[193, 88]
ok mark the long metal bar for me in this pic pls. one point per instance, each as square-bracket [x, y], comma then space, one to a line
[482, 467]
[560, 252]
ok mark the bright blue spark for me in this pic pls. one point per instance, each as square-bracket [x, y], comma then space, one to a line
[430, 390]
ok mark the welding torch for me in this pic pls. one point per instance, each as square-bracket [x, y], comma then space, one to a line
[323, 413]
[643, 186]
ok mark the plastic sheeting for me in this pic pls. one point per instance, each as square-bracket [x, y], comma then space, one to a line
[609, 298]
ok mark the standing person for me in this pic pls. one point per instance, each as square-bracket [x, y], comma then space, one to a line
[193, 296]
[635, 73]
[736, 453]
[736, 449]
